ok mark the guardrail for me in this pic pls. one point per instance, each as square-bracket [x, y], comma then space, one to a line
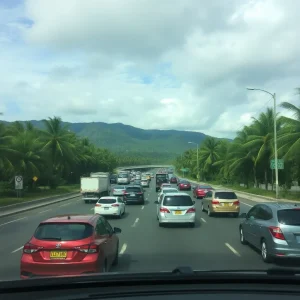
[13, 209]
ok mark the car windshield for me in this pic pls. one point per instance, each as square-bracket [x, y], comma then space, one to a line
[179, 200]
[203, 96]
[63, 231]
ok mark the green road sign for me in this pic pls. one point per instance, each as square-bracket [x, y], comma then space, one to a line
[184, 170]
[280, 164]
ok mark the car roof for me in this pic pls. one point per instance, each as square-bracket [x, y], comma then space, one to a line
[223, 191]
[71, 218]
[169, 188]
[281, 205]
[109, 197]
[178, 194]
[133, 185]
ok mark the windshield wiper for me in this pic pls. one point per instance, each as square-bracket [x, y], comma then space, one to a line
[52, 238]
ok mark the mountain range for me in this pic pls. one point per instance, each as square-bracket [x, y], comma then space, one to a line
[121, 138]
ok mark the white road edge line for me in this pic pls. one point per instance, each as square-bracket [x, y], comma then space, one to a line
[13, 221]
[65, 204]
[143, 207]
[247, 204]
[41, 212]
[135, 222]
[123, 249]
[203, 220]
[232, 249]
[17, 250]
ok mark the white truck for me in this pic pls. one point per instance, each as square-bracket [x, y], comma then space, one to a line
[94, 187]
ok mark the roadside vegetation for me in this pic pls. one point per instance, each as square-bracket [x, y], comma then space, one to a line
[244, 163]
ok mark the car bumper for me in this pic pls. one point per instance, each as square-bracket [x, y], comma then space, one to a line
[134, 200]
[107, 212]
[281, 249]
[190, 218]
[227, 209]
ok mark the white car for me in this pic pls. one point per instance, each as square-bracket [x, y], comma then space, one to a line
[112, 206]
[166, 190]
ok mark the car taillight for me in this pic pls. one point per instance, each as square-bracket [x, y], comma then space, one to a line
[30, 248]
[276, 232]
[139, 193]
[89, 248]
[164, 210]
[191, 210]
[236, 202]
[214, 202]
[115, 205]
[97, 204]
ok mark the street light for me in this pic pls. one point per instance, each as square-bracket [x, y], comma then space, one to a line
[198, 175]
[275, 138]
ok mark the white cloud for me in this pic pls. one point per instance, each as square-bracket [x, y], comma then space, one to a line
[151, 64]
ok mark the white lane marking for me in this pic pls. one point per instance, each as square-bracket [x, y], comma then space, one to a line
[247, 204]
[92, 208]
[43, 211]
[64, 204]
[232, 249]
[135, 222]
[143, 207]
[13, 221]
[123, 249]
[17, 250]
[203, 220]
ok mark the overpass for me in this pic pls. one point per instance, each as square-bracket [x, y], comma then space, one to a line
[145, 167]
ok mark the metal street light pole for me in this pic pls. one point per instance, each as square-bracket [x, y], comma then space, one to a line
[275, 138]
[198, 175]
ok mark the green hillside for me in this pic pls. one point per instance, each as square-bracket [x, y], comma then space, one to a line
[160, 145]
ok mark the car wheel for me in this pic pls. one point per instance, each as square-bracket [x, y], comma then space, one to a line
[202, 207]
[236, 215]
[242, 238]
[264, 251]
[120, 215]
[104, 267]
[209, 213]
[192, 225]
[116, 259]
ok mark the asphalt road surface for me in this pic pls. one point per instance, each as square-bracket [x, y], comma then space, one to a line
[144, 246]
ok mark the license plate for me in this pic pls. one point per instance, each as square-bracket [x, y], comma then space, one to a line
[226, 204]
[132, 195]
[106, 207]
[178, 212]
[58, 254]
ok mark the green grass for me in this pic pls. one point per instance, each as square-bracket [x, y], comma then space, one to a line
[295, 196]
[39, 193]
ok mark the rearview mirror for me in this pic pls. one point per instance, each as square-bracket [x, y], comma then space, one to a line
[117, 230]
[156, 202]
[243, 216]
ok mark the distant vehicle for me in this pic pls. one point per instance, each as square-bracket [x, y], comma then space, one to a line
[145, 182]
[113, 178]
[173, 179]
[69, 245]
[123, 178]
[220, 202]
[166, 190]
[201, 190]
[161, 178]
[134, 194]
[118, 190]
[176, 208]
[184, 185]
[112, 206]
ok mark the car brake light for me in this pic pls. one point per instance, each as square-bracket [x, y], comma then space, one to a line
[236, 202]
[276, 232]
[30, 248]
[89, 248]
[139, 193]
[97, 204]
[214, 202]
[191, 210]
[115, 205]
[164, 210]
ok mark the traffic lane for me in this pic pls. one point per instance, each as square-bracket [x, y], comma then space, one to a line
[207, 246]
[13, 238]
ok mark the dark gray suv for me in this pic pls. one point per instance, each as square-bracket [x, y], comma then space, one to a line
[134, 194]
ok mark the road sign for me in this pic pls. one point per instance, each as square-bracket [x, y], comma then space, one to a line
[35, 178]
[280, 164]
[18, 182]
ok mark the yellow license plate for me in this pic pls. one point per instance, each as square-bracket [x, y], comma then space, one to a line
[178, 212]
[226, 204]
[58, 254]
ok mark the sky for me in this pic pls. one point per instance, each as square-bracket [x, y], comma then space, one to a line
[155, 64]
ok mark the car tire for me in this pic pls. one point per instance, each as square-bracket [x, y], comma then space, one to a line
[202, 207]
[192, 225]
[242, 237]
[264, 252]
[209, 213]
[236, 215]
[116, 259]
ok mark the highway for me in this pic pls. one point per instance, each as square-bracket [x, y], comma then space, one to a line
[212, 245]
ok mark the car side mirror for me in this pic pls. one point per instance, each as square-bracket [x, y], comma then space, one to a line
[117, 230]
[156, 202]
[243, 216]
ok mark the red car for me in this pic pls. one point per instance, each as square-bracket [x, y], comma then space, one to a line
[201, 190]
[70, 245]
[184, 185]
[173, 180]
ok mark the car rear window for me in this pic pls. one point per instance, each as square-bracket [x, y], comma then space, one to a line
[178, 201]
[289, 217]
[123, 175]
[107, 201]
[205, 187]
[133, 189]
[168, 191]
[63, 231]
[225, 195]
[119, 187]
[184, 181]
